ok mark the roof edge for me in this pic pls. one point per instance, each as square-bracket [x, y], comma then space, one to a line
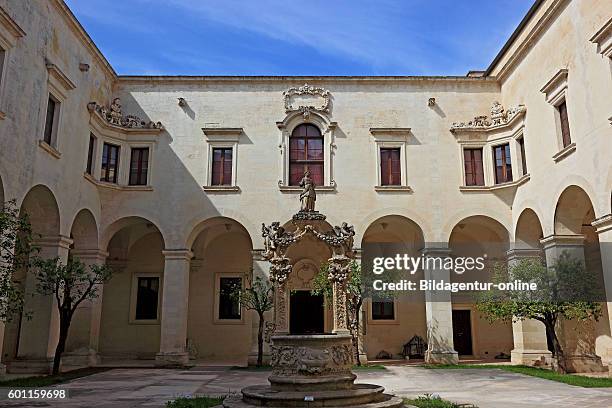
[517, 31]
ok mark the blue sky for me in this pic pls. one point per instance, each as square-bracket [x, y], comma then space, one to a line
[291, 37]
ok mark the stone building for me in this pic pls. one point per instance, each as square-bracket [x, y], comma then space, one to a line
[169, 178]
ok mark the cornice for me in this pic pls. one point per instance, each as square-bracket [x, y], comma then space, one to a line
[10, 24]
[222, 133]
[603, 39]
[390, 131]
[112, 119]
[75, 26]
[499, 119]
[62, 78]
[555, 81]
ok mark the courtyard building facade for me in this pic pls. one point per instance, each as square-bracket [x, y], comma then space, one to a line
[168, 179]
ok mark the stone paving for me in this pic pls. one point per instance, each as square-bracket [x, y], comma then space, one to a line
[145, 387]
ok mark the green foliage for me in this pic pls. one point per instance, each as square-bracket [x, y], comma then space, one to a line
[71, 283]
[15, 250]
[47, 380]
[259, 296]
[197, 402]
[577, 380]
[432, 401]
[565, 290]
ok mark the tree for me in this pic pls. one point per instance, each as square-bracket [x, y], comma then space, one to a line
[71, 284]
[258, 297]
[15, 250]
[566, 290]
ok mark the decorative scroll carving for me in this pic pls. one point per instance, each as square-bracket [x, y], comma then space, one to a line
[114, 116]
[301, 360]
[498, 117]
[307, 90]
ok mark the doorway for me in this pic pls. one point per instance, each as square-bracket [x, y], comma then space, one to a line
[462, 332]
[306, 313]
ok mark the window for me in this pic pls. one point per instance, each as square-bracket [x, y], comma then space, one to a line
[110, 163]
[564, 122]
[383, 310]
[390, 168]
[51, 120]
[474, 175]
[521, 142]
[221, 166]
[147, 297]
[229, 304]
[139, 165]
[90, 153]
[503, 165]
[306, 152]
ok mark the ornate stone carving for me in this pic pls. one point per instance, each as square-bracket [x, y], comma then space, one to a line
[302, 360]
[309, 216]
[310, 91]
[114, 116]
[498, 117]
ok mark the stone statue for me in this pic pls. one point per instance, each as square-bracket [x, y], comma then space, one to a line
[308, 196]
[115, 112]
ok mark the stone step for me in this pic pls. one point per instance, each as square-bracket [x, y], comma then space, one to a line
[359, 394]
[388, 401]
[313, 383]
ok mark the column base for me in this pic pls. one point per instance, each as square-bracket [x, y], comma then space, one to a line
[363, 358]
[81, 358]
[584, 364]
[535, 358]
[178, 359]
[441, 357]
[30, 366]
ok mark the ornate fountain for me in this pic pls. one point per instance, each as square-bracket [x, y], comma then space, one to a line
[311, 370]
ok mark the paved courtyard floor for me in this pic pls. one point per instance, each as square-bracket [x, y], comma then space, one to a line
[145, 387]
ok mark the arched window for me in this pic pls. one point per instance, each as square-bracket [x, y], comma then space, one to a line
[306, 152]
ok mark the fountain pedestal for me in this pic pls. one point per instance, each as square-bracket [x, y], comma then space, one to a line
[313, 371]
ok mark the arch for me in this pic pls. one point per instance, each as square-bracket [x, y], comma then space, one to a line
[479, 235]
[294, 119]
[502, 219]
[197, 225]
[573, 210]
[528, 230]
[585, 185]
[394, 229]
[126, 222]
[400, 212]
[41, 207]
[84, 230]
[210, 226]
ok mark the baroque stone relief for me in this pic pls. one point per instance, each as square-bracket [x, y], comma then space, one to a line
[114, 116]
[291, 360]
[307, 93]
[499, 116]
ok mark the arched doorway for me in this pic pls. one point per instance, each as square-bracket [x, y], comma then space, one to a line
[473, 336]
[131, 305]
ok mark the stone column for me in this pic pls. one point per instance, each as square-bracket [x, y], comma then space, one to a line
[603, 227]
[439, 315]
[578, 349]
[260, 269]
[39, 335]
[280, 267]
[174, 310]
[530, 346]
[84, 335]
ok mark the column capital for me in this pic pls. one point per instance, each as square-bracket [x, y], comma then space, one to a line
[47, 241]
[177, 254]
[520, 253]
[436, 252]
[603, 224]
[89, 254]
[563, 240]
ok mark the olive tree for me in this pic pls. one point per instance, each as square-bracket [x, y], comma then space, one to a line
[567, 290]
[71, 284]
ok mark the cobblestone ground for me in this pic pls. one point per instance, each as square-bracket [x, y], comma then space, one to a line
[484, 388]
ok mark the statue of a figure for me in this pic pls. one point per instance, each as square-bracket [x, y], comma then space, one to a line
[115, 112]
[308, 196]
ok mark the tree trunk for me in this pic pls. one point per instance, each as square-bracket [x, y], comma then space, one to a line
[61, 344]
[355, 309]
[260, 336]
[557, 349]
